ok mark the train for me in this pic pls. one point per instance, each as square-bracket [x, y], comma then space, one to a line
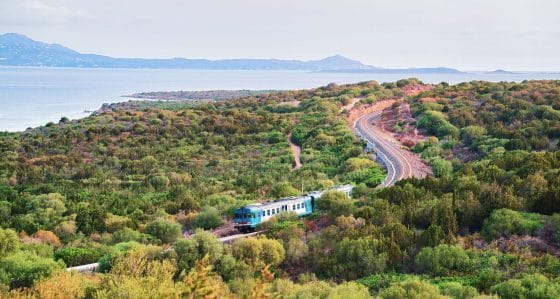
[249, 217]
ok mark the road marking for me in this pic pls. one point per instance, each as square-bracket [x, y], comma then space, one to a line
[385, 159]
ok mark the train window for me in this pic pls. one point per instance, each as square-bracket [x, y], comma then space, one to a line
[277, 210]
[294, 207]
[268, 212]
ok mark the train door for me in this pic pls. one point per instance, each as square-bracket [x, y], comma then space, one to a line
[312, 203]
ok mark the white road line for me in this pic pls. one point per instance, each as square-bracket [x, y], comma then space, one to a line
[391, 169]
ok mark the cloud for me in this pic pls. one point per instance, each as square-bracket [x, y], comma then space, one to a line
[38, 12]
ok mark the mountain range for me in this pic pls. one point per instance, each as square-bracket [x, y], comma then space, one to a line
[20, 50]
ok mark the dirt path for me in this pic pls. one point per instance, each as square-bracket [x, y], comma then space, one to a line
[351, 105]
[296, 152]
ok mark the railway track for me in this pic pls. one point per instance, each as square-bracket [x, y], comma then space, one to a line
[92, 268]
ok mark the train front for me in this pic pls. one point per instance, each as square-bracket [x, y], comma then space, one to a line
[246, 219]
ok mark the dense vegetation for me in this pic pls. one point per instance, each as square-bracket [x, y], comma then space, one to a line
[122, 187]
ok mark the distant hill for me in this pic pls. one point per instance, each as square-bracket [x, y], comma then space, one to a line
[20, 50]
[433, 70]
[500, 72]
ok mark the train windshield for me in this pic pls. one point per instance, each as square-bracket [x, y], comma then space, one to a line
[241, 215]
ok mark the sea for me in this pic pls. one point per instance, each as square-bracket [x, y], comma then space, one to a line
[31, 97]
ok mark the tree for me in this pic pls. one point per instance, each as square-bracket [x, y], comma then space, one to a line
[284, 189]
[24, 267]
[201, 282]
[442, 260]
[9, 242]
[90, 218]
[48, 237]
[411, 289]
[504, 222]
[134, 275]
[208, 218]
[441, 167]
[164, 230]
[258, 252]
[336, 204]
[75, 256]
[61, 285]
[296, 251]
[530, 286]
[47, 209]
[534, 186]
[433, 236]
[203, 244]
[355, 258]
[444, 216]
[457, 291]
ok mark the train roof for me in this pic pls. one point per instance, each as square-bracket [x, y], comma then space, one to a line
[296, 199]
[278, 202]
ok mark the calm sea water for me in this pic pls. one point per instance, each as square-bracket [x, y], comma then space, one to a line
[31, 97]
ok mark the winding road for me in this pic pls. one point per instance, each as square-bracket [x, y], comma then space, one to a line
[399, 162]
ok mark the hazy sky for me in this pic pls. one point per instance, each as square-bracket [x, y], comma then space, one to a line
[465, 34]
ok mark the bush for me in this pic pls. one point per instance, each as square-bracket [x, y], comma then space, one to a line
[128, 234]
[117, 251]
[505, 222]
[23, 268]
[284, 189]
[9, 241]
[457, 290]
[208, 218]
[411, 289]
[436, 123]
[530, 286]
[336, 204]
[163, 230]
[75, 256]
[442, 260]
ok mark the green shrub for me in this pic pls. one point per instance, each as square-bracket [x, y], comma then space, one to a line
[208, 218]
[164, 230]
[414, 289]
[75, 256]
[442, 260]
[530, 286]
[9, 241]
[457, 290]
[505, 222]
[127, 234]
[23, 268]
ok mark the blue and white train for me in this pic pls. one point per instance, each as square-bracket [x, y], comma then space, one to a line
[248, 217]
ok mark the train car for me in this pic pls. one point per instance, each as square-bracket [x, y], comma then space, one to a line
[248, 217]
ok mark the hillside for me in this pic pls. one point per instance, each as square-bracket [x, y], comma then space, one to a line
[20, 50]
[124, 187]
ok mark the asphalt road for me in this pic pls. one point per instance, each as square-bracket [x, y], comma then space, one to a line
[396, 160]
